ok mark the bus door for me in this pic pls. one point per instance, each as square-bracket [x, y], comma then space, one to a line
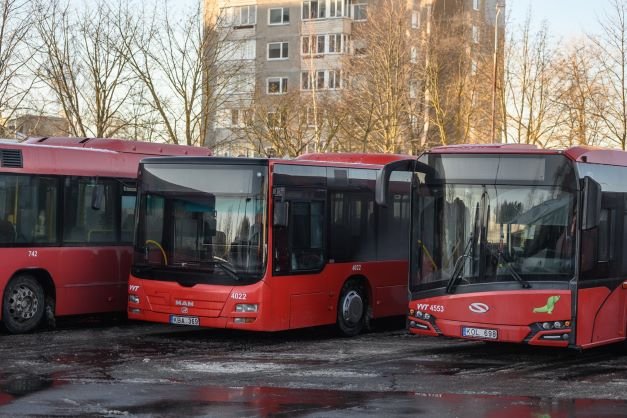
[299, 254]
[92, 258]
[602, 286]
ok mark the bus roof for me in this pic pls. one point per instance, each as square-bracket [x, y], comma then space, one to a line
[122, 146]
[330, 160]
[70, 160]
[353, 158]
[586, 154]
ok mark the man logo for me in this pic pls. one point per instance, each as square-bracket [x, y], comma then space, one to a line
[478, 307]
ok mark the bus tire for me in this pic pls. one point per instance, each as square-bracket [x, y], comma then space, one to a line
[352, 310]
[23, 304]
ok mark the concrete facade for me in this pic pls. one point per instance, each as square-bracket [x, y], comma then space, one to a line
[275, 42]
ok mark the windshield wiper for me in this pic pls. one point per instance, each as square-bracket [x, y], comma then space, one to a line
[459, 264]
[508, 266]
[225, 266]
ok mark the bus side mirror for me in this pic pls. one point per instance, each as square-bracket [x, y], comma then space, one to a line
[97, 196]
[591, 204]
[383, 178]
[281, 214]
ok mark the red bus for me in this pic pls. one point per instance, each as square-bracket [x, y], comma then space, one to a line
[518, 244]
[268, 245]
[66, 223]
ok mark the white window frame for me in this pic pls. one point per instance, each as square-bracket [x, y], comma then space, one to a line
[321, 5]
[415, 19]
[283, 81]
[281, 50]
[475, 4]
[336, 76]
[311, 40]
[333, 39]
[276, 117]
[475, 34]
[361, 6]
[334, 10]
[283, 15]
[233, 15]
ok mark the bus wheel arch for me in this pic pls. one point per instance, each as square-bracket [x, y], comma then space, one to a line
[28, 299]
[354, 306]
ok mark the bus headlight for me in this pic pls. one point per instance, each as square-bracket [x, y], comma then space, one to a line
[246, 307]
[133, 298]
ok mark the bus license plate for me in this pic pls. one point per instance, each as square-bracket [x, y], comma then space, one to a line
[489, 334]
[184, 320]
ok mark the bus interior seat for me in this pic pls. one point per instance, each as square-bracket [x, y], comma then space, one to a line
[7, 231]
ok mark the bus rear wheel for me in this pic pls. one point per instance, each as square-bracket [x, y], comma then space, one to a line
[23, 304]
[352, 309]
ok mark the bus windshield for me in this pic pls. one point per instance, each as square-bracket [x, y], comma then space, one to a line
[483, 233]
[202, 223]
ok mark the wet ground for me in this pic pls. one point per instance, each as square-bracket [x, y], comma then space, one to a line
[108, 367]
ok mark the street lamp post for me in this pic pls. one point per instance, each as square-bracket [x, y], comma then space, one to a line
[495, 70]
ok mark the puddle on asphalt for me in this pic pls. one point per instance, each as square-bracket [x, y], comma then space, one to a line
[133, 398]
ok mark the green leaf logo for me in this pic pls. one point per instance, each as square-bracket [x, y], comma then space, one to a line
[550, 305]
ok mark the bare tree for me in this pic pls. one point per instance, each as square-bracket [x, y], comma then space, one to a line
[612, 54]
[81, 64]
[15, 52]
[184, 64]
[580, 96]
[529, 83]
[379, 99]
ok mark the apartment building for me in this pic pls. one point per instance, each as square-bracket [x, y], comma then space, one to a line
[293, 54]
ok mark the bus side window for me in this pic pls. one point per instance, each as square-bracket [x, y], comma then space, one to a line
[299, 246]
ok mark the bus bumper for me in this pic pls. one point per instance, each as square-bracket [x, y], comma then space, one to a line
[541, 334]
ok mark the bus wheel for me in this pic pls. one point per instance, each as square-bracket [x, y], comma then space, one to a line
[23, 304]
[352, 309]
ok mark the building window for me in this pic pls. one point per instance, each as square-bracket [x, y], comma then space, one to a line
[277, 85]
[240, 117]
[314, 9]
[335, 79]
[279, 16]
[413, 89]
[473, 67]
[414, 55]
[335, 43]
[277, 50]
[475, 4]
[321, 79]
[314, 44]
[415, 19]
[475, 34]
[274, 120]
[360, 11]
[239, 16]
[336, 8]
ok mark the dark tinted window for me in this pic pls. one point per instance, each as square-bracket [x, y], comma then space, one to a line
[28, 209]
[90, 211]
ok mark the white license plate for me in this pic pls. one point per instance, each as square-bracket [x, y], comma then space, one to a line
[184, 320]
[490, 334]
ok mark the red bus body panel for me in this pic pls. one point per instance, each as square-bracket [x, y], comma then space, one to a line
[285, 301]
[509, 312]
[600, 314]
[86, 279]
